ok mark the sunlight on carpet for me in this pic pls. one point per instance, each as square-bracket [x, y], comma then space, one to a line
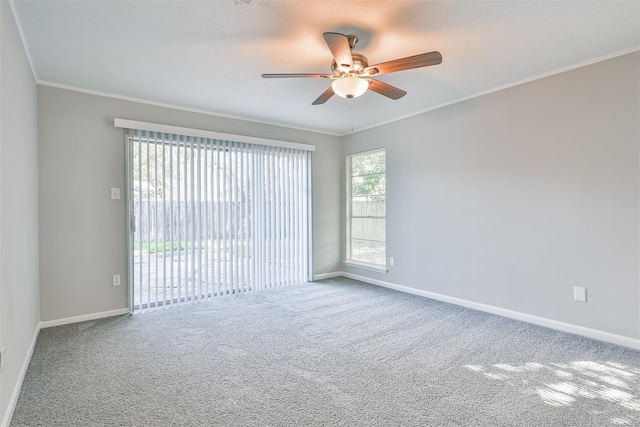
[562, 384]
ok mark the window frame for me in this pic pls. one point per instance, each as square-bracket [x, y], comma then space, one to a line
[349, 261]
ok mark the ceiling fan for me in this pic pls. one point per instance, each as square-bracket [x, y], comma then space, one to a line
[352, 74]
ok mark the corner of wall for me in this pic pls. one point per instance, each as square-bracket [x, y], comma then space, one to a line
[15, 393]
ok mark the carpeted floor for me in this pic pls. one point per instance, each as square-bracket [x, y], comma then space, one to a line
[332, 353]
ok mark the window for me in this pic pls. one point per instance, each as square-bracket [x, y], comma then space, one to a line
[366, 210]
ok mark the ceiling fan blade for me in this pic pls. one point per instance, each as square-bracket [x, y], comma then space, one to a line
[324, 97]
[386, 89]
[416, 61]
[284, 76]
[339, 46]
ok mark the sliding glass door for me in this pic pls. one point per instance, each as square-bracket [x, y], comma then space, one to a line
[212, 217]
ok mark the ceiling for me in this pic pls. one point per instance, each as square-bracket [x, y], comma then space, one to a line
[209, 55]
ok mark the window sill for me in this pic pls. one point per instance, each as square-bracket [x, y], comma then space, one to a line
[369, 267]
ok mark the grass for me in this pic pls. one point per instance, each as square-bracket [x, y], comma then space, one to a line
[161, 247]
[156, 247]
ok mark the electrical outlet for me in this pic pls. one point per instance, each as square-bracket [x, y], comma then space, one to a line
[116, 280]
[3, 358]
[580, 294]
[392, 261]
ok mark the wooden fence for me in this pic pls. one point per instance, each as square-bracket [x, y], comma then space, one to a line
[165, 220]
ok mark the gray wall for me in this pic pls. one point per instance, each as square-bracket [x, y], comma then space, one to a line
[513, 198]
[83, 232]
[19, 302]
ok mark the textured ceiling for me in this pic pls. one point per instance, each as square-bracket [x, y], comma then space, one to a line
[208, 55]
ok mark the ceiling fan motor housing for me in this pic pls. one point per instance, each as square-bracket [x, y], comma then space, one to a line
[360, 62]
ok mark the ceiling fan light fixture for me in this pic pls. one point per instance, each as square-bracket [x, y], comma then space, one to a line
[349, 86]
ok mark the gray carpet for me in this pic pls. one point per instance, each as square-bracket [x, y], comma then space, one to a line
[331, 353]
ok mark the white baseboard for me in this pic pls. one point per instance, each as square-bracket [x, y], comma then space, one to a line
[327, 275]
[83, 318]
[529, 318]
[6, 420]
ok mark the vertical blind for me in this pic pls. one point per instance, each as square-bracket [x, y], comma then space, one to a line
[214, 217]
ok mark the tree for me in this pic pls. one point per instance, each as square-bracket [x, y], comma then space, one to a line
[368, 176]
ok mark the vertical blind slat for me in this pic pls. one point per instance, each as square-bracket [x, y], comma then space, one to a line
[305, 238]
[224, 220]
[155, 217]
[193, 219]
[288, 222]
[198, 213]
[304, 213]
[267, 215]
[296, 227]
[179, 223]
[218, 220]
[278, 228]
[164, 218]
[254, 219]
[212, 219]
[272, 224]
[148, 230]
[171, 221]
[232, 200]
[241, 224]
[234, 193]
[204, 209]
[139, 215]
[184, 281]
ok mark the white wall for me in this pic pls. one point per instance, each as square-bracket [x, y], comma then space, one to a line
[513, 198]
[83, 232]
[19, 302]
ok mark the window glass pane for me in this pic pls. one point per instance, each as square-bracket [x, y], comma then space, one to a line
[368, 252]
[368, 229]
[368, 164]
[368, 206]
[368, 185]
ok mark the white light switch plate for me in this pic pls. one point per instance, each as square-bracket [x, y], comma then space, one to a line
[580, 294]
[115, 193]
